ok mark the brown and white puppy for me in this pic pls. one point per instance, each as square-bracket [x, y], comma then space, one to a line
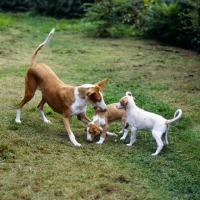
[102, 119]
[62, 98]
[139, 119]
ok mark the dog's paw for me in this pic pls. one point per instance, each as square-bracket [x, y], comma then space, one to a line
[99, 142]
[154, 154]
[77, 144]
[110, 134]
[18, 121]
[122, 138]
[129, 145]
[47, 121]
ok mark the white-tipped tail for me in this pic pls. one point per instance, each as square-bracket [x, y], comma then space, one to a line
[177, 115]
[41, 45]
[48, 37]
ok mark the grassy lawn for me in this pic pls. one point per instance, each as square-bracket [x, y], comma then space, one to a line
[37, 160]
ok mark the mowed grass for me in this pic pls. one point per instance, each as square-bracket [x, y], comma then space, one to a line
[37, 160]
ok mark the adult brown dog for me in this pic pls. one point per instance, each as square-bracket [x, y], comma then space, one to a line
[62, 98]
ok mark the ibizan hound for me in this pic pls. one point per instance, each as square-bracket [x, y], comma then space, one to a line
[62, 98]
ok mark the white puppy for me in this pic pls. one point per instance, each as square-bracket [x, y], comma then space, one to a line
[139, 119]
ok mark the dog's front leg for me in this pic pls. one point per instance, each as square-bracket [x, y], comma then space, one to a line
[125, 133]
[133, 136]
[69, 131]
[82, 117]
[103, 134]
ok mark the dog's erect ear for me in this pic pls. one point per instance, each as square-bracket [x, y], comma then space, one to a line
[102, 83]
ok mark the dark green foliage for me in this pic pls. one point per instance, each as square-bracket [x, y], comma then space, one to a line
[15, 5]
[172, 21]
[59, 8]
[108, 16]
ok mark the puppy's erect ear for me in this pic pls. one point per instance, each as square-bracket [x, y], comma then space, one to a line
[102, 83]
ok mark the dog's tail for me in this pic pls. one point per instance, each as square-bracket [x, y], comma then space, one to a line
[41, 45]
[176, 117]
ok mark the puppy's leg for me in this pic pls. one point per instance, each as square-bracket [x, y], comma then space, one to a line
[103, 134]
[125, 129]
[30, 87]
[69, 131]
[40, 108]
[164, 139]
[110, 134]
[125, 134]
[157, 136]
[133, 136]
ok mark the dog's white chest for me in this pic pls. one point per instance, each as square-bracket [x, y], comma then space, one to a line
[79, 106]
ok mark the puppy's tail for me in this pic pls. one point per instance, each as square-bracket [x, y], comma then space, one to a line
[41, 45]
[176, 117]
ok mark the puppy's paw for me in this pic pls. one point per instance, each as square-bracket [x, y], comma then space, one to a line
[110, 134]
[122, 138]
[129, 144]
[154, 154]
[101, 140]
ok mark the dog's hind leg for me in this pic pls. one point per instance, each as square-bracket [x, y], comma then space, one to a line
[29, 93]
[157, 136]
[164, 139]
[40, 108]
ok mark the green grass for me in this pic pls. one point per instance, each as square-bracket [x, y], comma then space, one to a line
[37, 160]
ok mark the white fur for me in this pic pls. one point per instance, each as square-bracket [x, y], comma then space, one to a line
[80, 105]
[43, 116]
[73, 140]
[101, 140]
[139, 119]
[17, 119]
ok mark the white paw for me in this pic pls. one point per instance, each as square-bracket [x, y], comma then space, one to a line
[77, 144]
[122, 138]
[111, 134]
[154, 154]
[47, 121]
[129, 145]
[18, 121]
[99, 142]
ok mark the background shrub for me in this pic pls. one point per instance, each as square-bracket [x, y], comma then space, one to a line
[58, 8]
[171, 21]
[108, 16]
